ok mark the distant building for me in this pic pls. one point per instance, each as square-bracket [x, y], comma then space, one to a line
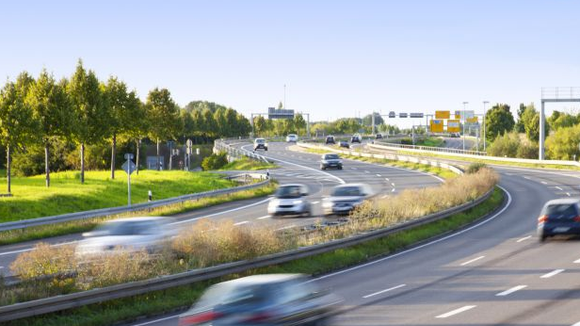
[274, 113]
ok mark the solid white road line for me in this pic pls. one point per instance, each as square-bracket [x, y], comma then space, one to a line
[378, 175]
[552, 273]
[510, 291]
[384, 196]
[383, 291]
[577, 261]
[354, 168]
[472, 261]
[577, 324]
[286, 227]
[241, 223]
[220, 213]
[456, 311]
[263, 217]
[524, 238]
[558, 188]
[30, 249]
[367, 171]
[315, 202]
[509, 202]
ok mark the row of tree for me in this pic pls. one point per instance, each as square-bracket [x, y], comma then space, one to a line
[85, 111]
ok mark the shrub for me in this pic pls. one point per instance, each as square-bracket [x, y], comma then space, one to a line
[474, 167]
[506, 145]
[214, 161]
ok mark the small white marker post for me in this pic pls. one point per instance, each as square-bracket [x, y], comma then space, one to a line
[129, 167]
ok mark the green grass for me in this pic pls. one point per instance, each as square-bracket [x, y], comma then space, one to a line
[431, 142]
[160, 302]
[247, 164]
[59, 229]
[66, 194]
[491, 162]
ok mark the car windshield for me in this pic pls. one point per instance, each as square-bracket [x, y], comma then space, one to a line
[288, 192]
[560, 211]
[260, 140]
[330, 157]
[234, 295]
[128, 227]
[346, 191]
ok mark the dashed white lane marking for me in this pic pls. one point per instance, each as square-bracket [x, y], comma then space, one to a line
[263, 217]
[1, 267]
[393, 190]
[387, 179]
[354, 168]
[378, 175]
[577, 261]
[524, 238]
[315, 202]
[367, 172]
[241, 223]
[30, 249]
[510, 291]
[383, 291]
[558, 188]
[456, 311]
[472, 261]
[544, 182]
[392, 184]
[568, 194]
[527, 178]
[552, 273]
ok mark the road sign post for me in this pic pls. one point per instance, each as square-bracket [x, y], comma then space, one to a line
[129, 167]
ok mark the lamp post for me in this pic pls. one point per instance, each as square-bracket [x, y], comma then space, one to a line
[484, 134]
[463, 123]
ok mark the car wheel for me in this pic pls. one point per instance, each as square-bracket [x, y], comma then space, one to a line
[322, 168]
[543, 238]
[340, 167]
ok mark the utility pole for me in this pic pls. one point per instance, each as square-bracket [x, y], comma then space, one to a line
[484, 135]
[463, 124]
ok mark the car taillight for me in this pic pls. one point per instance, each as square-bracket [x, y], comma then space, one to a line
[199, 318]
[577, 219]
[258, 317]
[543, 219]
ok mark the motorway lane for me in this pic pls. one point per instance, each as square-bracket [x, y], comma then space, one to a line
[495, 273]
[295, 168]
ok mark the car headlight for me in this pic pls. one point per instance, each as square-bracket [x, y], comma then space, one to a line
[297, 202]
[273, 203]
[324, 161]
[326, 203]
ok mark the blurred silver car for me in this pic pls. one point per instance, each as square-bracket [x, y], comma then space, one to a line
[132, 234]
[344, 198]
[291, 138]
[290, 199]
[274, 299]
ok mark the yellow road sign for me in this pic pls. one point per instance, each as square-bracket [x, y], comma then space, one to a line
[436, 125]
[453, 126]
[472, 120]
[442, 114]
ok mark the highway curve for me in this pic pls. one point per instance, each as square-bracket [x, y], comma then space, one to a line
[494, 273]
[294, 168]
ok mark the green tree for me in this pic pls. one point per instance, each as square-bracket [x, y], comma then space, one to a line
[163, 114]
[562, 120]
[17, 127]
[505, 145]
[498, 121]
[90, 112]
[563, 143]
[300, 124]
[259, 125]
[51, 108]
[519, 126]
[209, 124]
[223, 129]
[243, 124]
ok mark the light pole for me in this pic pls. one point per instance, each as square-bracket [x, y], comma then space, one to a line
[463, 124]
[484, 112]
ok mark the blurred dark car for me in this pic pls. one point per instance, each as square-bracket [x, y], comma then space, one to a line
[274, 299]
[356, 138]
[559, 217]
[379, 136]
[329, 140]
[344, 144]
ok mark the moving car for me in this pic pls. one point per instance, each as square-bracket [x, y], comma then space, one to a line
[344, 198]
[356, 138]
[330, 160]
[271, 299]
[329, 140]
[343, 143]
[290, 199]
[129, 234]
[379, 136]
[559, 217]
[291, 138]
[260, 143]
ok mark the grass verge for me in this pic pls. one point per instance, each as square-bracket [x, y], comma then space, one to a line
[175, 299]
[53, 230]
[248, 164]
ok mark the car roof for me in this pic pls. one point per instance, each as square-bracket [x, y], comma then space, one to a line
[259, 139]
[292, 185]
[351, 185]
[563, 201]
[139, 219]
[265, 279]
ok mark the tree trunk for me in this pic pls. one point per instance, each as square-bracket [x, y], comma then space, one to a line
[82, 163]
[137, 157]
[158, 165]
[46, 165]
[113, 154]
[8, 167]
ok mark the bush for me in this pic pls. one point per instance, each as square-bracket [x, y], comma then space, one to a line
[31, 161]
[505, 146]
[474, 167]
[214, 161]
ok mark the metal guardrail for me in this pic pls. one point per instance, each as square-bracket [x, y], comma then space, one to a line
[75, 300]
[223, 146]
[125, 209]
[431, 148]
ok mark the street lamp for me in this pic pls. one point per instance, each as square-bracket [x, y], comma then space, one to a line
[484, 134]
[463, 124]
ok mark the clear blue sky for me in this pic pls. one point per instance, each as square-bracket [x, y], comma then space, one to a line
[337, 58]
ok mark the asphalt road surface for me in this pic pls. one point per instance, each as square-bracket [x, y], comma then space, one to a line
[493, 273]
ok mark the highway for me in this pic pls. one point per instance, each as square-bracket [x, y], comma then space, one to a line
[493, 273]
[294, 168]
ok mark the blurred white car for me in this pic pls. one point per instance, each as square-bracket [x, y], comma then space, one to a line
[260, 143]
[290, 200]
[132, 234]
[291, 138]
[344, 198]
